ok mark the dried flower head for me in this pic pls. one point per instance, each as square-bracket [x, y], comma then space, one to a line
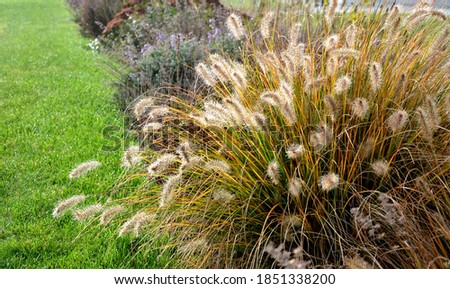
[295, 187]
[141, 221]
[366, 147]
[183, 151]
[397, 120]
[329, 182]
[221, 70]
[131, 156]
[265, 24]
[380, 168]
[357, 262]
[294, 33]
[151, 127]
[259, 120]
[284, 258]
[321, 138]
[331, 42]
[360, 107]
[169, 186]
[81, 215]
[273, 171]
[83, 168]
[131, 223]
[205, 74]
[234, 25]
[222, 196]
[157, 113]
[330, 12]
[110, 213]
[331, 106]
[343, 84]
[162, 163]
[141, 106]
[346, 52]
[63, 206]
[426, 122]
[376, 75]
[238, 78]
[218, 166]
[350, 35]
[294, 151]
[194, 246]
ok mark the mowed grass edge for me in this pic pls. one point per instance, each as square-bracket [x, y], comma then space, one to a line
[55, 101]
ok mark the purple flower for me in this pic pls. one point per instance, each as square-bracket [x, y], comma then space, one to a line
[376, 42]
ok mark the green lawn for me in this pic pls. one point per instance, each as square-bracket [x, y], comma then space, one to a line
[55, 101]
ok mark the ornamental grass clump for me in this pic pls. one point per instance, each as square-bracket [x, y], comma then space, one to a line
[307, 166]
[331, 142]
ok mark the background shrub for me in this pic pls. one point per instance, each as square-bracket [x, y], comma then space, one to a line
[94, 15]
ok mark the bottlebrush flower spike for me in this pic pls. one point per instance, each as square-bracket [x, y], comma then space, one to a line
[397, 120]
[67, 204]
[234, 25]
[83, 168]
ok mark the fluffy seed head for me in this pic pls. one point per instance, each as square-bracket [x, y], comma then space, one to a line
[141, 221]
[109, 214]
[426, 122]
[294, 151]
[265, 24]
[162, 163]
[194, 246]
[330, 12]
[83, 168]
[331, 42]
[273, 171]
[234, 25]
[218, 166]
[222, 196]
[260, 120]
[271, 97]
[345, 52]
[331, 106]
[67, 204]
[205, 74]
[183, 151]
[294, 32]
[380, 167]
[360, 107]
[167, 191]
[397, 120]
[131, 157]
[238, 78]
[131, 223]
[193, 161]
[81, 215]
[321, 138]
[142, 106]
[295, 187]
[366, 147]
[151, 127]
[376, 75]
[158, 113]
[329, 182]
[342, 84]
[350, 35]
